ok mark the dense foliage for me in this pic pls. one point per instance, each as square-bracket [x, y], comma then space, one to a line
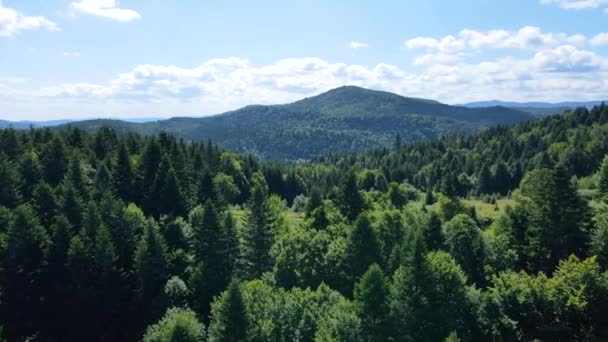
[502, 235]
[341, 120]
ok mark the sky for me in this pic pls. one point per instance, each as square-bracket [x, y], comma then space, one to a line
[64, 59]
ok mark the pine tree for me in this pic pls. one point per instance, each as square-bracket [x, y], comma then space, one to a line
[257, 236]
[229, 322]
[351, 201]
[371, 294]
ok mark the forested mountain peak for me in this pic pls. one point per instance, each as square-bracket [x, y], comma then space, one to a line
[345, 119]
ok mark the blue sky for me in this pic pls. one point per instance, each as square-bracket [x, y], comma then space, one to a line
[143, 58]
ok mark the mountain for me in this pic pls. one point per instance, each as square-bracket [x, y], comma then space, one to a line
[27, 124]
[341, 120]
[536, 108]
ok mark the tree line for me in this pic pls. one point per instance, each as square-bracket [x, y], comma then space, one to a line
[122, 238]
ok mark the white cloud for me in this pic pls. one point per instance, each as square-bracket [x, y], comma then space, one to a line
[358, 45]
[561, 73]
[599, 39]
[12, 22]
[528, 37]
[568, 58]
[105, 8]
[576, 4]
[71, 54]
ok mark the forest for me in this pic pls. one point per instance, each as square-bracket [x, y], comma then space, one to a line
[500, 235]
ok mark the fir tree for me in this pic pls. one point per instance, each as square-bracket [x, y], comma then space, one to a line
[257, 236]
[229, 321]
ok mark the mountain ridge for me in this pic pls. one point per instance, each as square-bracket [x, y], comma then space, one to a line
[343, 119]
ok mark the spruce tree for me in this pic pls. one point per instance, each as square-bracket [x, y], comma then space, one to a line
[10, 192]
[229, 322]
[362, 248]
[45, 203]
[350, 199]
[257, 236]
[122, 175]
[30, 172]
[210, 250]
[22, 291]
[371, 295]
[603, 173]
[72, 206]
[151, 268]
[54, 161]
[433, 237]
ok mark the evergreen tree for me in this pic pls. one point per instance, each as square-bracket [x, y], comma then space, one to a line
[122, 175]
[231, 241]
[10, 192]
[229, 322]
[173, 200]
[485, 185]
[371, 294]
[210, 249]
[57, 277]
[30, 171]
[22, 289]
[362, 248]
[151, 269]
[45, 203]
[257, 235]
[103, 179]
[433, 237]
[54, 161]
[350, 199]
[603, 181]
[150, 161]
[72, 206]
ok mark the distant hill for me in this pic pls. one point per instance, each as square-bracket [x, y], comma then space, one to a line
[341, 120]
[536, 108]
[27, 124]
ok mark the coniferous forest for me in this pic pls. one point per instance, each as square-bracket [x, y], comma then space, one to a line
[497, 236]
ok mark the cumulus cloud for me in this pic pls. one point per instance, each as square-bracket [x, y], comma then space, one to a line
[222, 84]
[13, 22]
[358, 45]
[599, 39]
[104, 8]
[528, 37]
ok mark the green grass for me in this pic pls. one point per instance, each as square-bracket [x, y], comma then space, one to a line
[488, 210]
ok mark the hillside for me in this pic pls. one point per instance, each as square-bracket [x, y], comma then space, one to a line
[344, 119]
[539, 109]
